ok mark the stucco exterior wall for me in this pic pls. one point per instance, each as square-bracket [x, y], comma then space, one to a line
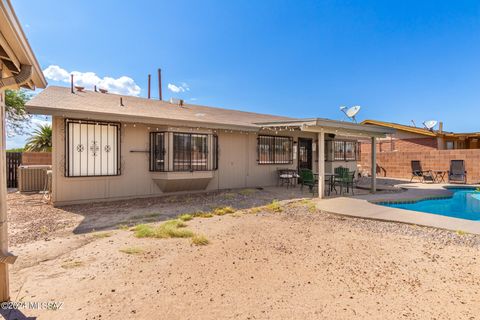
[237, 167]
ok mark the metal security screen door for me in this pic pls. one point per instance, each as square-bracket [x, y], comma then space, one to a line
[304, 153]
[92, 148]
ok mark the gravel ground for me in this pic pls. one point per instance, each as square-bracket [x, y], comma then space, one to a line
[31, 219]
[297, 264]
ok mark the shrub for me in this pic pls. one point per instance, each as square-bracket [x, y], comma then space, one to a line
[200, 240]
[223, 211]
[274, 207]
[185, 217]
[100, 235]
[72, 264]
[168, 229]
[202, 214]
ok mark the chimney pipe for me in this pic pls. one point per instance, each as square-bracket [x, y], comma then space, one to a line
[95, 88]
[440, 127]
[160, 84]
[71, 83]
[149, 84]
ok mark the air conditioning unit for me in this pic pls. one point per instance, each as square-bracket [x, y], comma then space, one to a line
[33, 178]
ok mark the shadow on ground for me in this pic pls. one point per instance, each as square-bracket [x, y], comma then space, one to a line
[112, 215]
[14, 315]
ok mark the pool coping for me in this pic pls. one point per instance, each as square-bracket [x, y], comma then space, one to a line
[367, 207]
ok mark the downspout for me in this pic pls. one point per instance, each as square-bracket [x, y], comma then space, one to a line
[21, 78]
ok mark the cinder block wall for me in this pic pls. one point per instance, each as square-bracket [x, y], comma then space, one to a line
[410, 144]
[36, 158]
[397, 163]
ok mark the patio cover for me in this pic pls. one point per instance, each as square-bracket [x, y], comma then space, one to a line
[322, 126]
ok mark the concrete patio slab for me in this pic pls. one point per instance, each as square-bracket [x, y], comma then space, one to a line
[362, 207]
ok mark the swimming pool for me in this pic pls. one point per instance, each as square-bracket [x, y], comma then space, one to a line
[464, 204]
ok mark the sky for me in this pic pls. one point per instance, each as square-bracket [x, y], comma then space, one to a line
[399, 60]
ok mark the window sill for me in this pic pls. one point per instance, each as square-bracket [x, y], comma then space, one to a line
[182, 181]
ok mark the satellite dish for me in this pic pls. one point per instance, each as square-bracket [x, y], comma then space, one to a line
[430, 124]
[351, 112]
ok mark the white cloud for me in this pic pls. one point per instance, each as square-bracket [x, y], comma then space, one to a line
[175, 89]
[123, 85]
[40, 121]
[180, 88]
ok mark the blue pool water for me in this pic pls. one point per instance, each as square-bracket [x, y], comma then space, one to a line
[464, 204]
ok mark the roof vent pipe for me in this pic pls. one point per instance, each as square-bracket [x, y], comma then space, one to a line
[149, 84]
[95, 88]
[440, 127]
[160, 84]
[71, 83]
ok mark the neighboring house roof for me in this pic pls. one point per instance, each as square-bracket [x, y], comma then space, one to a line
[95, 105]
[423, 131]
[401, 127]
[16, 54]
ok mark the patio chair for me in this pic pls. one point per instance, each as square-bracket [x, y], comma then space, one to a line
[457, 172]
[347, 181]
[418, 172]
[340, 172]
[308, 179]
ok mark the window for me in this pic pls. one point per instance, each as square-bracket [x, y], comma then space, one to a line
[350, 150]
[91, 148]
[190, 152]
[157, 151]
[215, 152]
[338, 150]
[274, 150]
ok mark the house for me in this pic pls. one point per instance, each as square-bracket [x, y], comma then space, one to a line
[434, 148]
[108, 146]
[410, 138]
[18, 68]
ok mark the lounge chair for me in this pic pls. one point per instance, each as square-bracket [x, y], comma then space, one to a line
[418, 172]
[457, 172]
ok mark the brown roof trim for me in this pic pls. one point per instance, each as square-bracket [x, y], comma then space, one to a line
[401, 127]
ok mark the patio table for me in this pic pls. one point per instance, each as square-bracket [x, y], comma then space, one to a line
[330, 177]
[288, 175]
[439, 175]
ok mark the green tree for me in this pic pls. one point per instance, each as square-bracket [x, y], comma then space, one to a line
[40, 139]
[18, 120]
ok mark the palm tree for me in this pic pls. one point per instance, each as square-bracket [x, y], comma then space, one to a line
[40, 140]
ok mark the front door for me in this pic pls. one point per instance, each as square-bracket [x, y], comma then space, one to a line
[304, 153]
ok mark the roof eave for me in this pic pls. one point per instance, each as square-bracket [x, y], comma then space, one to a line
[332, 126]
[18, 45]
[98, 115]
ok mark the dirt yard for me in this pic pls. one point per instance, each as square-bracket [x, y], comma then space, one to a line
[295, 264]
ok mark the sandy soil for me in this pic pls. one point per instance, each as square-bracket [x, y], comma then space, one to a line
[296, 264]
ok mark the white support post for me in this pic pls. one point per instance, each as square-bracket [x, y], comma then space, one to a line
[374, 165]
[4, 287]
[321, 164]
